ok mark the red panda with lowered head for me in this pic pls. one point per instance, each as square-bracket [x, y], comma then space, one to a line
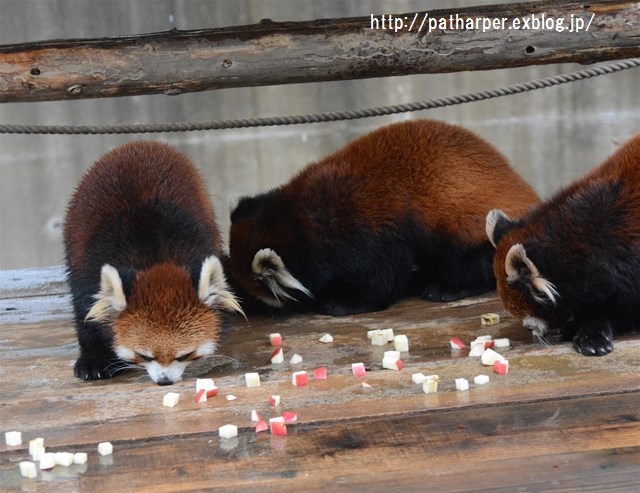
[570, 268]
[143, 264]
[398, 210]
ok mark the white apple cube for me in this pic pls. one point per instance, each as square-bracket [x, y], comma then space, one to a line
[252, 379]
[170, 399]
[80, 458]
[105, 448]
[379, 338]
[64, 459]
[489, 356]
[228, 431]
[13, 438]
[462, 384]
[47, 461]
[327, 338]
[205, 384]
[28, 469]
[295, 359]
[418, 378]
[481, 379]
[430, 384]
[489, 319]
[401, 343]
[502, 342]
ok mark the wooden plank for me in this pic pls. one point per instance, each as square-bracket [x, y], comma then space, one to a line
[557, 421]
[270, 52]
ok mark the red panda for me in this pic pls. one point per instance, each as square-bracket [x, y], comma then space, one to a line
[571, 267]
[143, 264]
[398, 210]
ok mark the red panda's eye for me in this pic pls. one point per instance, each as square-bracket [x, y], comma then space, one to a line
[143, 357]
[185, 357]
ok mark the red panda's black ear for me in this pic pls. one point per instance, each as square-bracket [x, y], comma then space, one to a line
[110, 300]
[497, 225]
[213, 289]
[521, 269]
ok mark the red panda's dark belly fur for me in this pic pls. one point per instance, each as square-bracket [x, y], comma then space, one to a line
[399, 207]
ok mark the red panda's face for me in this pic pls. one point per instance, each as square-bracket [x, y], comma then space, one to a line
[525, 292]
[165, 322]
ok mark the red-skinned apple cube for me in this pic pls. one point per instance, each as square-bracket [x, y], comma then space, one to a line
[299, 378]
[456, 343]
[274, 400]
[275, 339]
[320, 373]
[201, 396]
[359, 370]
[501, 366]
[278, 428]
[261, 426]
[289, 417]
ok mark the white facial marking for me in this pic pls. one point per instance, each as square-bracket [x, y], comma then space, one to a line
[536, 325]
[125, 353]
[206, 349]
[172, 372]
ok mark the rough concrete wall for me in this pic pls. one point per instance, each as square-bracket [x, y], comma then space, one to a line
[551, 136]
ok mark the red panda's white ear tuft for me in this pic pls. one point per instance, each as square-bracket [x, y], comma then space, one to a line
[213, 289]
[110, 300]
[270, 269]
[519, 268]
[496, 225]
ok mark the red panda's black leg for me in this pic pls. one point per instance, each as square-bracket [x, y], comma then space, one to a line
[594, 337]
[97, 360]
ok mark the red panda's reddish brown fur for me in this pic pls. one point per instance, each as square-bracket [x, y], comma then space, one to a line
[572, 265]
[410, 194]
[142, 250]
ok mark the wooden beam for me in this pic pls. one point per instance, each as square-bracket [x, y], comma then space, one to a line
[473, 38]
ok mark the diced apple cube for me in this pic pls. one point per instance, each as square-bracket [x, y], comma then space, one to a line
[392, 363]
[490, 319]
[274, 400]
[170, 399]
[289, 417]
[483, 338]
[201, 396]
[456, 343]
[212, 392]
[278, 428]
[489, 356]
[277, 357]
[252, 379]
[477, 348]
[501, 366]
[80, 458]
[36, 443]
[275, 339]
[327, 338]
[462, 384]
[37, 453]
[401, 343]
[481, 379]
[230, 397]
[228, 431]
[295, 359]
[417, 378]
[255, 416]
[299, 378]
[204, 383]
[320, 373]
[47, 461]
[502, 342]
[366, 386]
[13, 438]
[28, 469]
[391, 354]
[379, 338]
[389, 333]
[261, 426]
[430, 384]
[105, 448]
[359, 370]
[64, 459]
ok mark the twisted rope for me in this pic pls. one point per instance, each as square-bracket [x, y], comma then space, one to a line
[324, 117]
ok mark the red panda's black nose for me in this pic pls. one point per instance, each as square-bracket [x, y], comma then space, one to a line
[164, 381]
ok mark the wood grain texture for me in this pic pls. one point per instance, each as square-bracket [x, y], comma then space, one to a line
[557, 421]
[270, 52]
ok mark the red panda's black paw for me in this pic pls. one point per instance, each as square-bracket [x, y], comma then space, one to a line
[593, 344]
[97, 367]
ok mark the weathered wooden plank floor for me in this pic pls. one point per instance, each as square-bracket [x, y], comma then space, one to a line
[557, 422]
